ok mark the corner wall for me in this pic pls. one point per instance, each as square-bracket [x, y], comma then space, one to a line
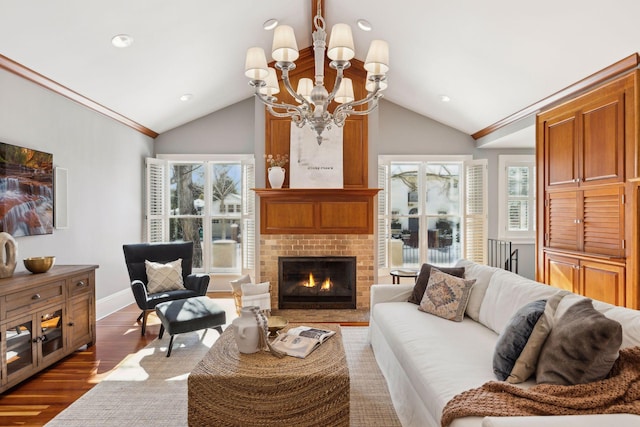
[105, 162]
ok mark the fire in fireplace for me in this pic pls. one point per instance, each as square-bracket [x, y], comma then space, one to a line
[317, 282]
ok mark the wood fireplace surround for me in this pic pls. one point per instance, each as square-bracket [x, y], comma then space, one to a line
[318, 222]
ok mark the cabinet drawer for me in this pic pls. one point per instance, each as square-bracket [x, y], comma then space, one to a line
[78, 285]
[21, 302]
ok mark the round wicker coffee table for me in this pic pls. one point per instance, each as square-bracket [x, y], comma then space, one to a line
[229, 388]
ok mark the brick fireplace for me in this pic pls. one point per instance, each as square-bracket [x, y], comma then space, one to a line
[318, 223]
[360, 246]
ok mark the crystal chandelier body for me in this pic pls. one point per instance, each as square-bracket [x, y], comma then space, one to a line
[312, 96]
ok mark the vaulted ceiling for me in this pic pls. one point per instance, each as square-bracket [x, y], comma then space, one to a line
[492, 58]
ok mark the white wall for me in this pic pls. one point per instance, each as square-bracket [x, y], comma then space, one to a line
[105, 162]
[228, 131]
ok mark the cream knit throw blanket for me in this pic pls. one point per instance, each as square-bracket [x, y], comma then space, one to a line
[619, 393]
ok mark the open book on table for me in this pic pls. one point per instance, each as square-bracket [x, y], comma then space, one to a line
[300, 341]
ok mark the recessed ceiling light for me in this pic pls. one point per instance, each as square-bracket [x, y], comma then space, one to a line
[186, 97]
[444, 98]
[364, 25]
[122, 40]
[270, 24]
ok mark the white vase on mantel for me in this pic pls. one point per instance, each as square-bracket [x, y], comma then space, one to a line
[276, 176]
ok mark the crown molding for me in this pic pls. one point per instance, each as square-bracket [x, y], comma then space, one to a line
[37, 78]
[631, 62]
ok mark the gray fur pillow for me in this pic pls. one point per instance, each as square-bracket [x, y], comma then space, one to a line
[513, 339]
[581, 348]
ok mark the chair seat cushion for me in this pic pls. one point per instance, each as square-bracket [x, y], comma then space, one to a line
[155, 299]
[190, 314]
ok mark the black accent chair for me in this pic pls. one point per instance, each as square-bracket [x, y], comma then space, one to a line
[135, 256]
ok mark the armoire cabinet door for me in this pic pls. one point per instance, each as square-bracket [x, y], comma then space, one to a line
[561, 151]
[602, 282]
[602, 141]
[584, 140]
[562, 227]
[562, 272]
[603, 221]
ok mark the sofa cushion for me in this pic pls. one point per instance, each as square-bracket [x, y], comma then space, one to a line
[482, 274]
[423, 279]
[439, 358]
[164, 277]
[506, 293]
[446, 296]
[582, 346]
[526, 363]
[513, 339]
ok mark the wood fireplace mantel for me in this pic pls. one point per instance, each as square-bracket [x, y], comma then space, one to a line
[316, 210]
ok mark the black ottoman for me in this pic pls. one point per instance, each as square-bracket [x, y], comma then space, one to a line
[188, 315]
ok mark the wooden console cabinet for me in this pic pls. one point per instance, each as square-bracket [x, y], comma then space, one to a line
[43, 318]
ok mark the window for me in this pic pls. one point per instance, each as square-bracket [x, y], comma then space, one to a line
[517, 198]
[206, 200]
[432, 209]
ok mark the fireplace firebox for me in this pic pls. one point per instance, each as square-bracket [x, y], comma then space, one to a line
[317, 282]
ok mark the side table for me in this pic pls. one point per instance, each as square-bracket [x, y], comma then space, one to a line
[396, 275]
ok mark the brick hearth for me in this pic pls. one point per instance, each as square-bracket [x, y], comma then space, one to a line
[359, 245]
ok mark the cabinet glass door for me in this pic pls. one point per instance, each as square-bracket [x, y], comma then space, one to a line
[19, 355]
[51, 336]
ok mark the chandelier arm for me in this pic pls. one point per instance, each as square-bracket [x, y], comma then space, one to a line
[296, 95]
[352, 112]
[291, 109]
[372, 96]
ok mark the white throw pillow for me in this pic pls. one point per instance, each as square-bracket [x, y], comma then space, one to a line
[164, 277]
[236, 285]
[255, 288]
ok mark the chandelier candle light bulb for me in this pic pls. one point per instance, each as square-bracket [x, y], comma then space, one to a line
[313, 97]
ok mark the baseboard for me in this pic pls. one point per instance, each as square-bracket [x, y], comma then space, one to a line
[114, 302]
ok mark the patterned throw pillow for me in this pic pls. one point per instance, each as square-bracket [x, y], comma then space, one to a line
[446, 296]
[423, 279]
[164, 277]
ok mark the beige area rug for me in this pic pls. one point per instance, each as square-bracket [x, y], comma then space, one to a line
[151, 389]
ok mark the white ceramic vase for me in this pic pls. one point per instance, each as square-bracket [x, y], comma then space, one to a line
[276, 176]
[246, 331]
[9, 250]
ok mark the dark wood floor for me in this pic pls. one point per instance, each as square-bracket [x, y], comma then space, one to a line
[39, 399]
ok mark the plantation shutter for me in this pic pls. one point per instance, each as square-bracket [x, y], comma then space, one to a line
[383, 212]
[248, 216]
[156, 200]
[475, 211]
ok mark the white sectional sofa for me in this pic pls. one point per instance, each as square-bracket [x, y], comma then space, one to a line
[427, 360]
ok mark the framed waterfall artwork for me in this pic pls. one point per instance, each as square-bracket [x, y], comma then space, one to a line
[314, 165]
[26, 191]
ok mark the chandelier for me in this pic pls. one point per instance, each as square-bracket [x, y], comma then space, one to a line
[312, 97]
